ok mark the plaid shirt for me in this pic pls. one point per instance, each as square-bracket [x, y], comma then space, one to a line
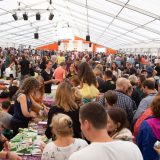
[124, 102]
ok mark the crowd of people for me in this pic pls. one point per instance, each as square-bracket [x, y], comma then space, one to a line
[106, 106]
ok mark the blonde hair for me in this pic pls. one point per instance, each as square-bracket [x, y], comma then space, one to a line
[62, 125]
[100, 67]
[77, 95]
[133, 79]
[97, 72]
[65, 97]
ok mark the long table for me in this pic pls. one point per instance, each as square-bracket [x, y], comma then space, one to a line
[27, 142]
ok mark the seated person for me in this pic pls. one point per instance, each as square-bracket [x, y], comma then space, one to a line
[64, 144]
[5, 117]
[13, 88]
[6, 154]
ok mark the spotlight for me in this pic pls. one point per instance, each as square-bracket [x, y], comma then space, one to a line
[38, 16]
[36, 35]
[15, 16]
[25, 16]
[88, 38]
[51, 16]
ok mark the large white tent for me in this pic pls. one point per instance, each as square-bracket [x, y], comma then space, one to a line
[112, 23]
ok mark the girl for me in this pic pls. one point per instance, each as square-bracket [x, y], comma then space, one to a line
[64, 144]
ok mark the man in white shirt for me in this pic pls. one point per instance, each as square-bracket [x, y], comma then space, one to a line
[93, 119]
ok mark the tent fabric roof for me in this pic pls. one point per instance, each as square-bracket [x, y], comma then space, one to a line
[112, 23]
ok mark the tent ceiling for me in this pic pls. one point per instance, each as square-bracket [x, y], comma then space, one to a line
[112, 23]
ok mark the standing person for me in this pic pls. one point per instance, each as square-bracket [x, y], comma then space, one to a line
[118, 126]
[109, 84]
[43, 63]
[139, 88]
[88, 83]
[134, 94]
[60, 58]
[110, 100]
[65, 103]
[130, 69]
[116, 72]
[59, 73]
[54, 60]
[123, 101]
[93, 119]
[13, 65]
[3, 66]
[22, 108]
[47, 76]
[149, 132]
[37, 98]
[24, 66]
[157, 68]
[149, 69]
[149, 90]
[64, 144]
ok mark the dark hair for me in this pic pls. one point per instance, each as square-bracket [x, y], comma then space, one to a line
[155, 106]
[43, 59]
[114, 78]
[108, 73]
[116, 66]
[143, 70]
[48, 61]
[149, 84]
[95, 114]
[142, 79]
[62, 64]
[75, 79]
[86, 74]
[111, 97]
[23, 57]
[6, 104]
[118, 115]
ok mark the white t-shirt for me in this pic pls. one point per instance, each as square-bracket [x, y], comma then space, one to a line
[115, 150]
[53, 152]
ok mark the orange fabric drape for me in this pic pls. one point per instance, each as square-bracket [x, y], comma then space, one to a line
[52, 47]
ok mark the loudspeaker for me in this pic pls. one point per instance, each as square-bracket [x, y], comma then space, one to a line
[25, 16]
[88, 38]
[59, 43]
[38, 16]
[90, 44]
[36, 35]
